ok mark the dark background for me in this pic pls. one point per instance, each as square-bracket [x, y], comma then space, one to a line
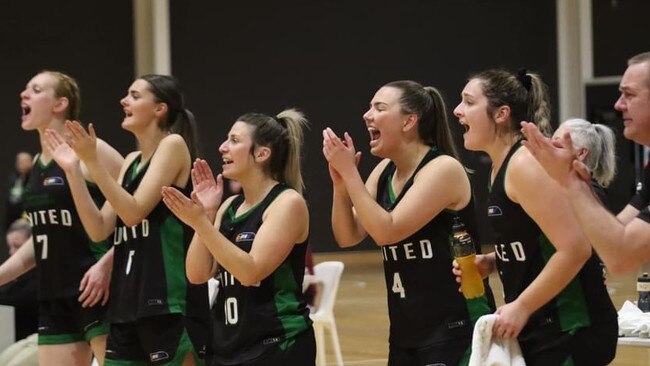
[326, 58]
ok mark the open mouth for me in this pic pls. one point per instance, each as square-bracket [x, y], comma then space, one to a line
[226, 161]
[26, 110]
[127, 113]
[465, 126]
[374, 134]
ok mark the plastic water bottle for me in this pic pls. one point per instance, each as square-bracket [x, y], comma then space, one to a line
[643, 287]
[462, 247]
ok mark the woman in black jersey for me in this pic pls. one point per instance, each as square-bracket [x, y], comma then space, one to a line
[254, 243]
[72, 325]
[156, 316]
[407, 206]
[556, 303]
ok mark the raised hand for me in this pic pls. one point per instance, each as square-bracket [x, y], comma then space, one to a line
[208, 191]
[556, 157]
[61, 152]
[83, 143]
[190, 211]
[340, 154]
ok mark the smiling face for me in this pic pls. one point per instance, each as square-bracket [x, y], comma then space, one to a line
[139, 106]
[236, 150]
[634, 103]
[38, 102]
[472, 113]
[385, 120]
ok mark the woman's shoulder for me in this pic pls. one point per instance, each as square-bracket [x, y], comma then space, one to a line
[172, 140]
[443, 164]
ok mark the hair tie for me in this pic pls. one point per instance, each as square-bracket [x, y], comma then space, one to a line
[281, 121]
[525, 79]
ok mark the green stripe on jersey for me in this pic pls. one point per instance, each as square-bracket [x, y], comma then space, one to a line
[391, 193]
[60, 338]
[570, 303]
[477, 307]
[287, 303]
[173, 252]
[100, 248]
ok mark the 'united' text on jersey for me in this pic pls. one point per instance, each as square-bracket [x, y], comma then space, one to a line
[124, 233]
[50, 217]
[408, 251]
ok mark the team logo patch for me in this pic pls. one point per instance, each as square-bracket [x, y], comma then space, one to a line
[53, 181]
[494, 211]
[247, 236]
[152, 302]
[158, 356]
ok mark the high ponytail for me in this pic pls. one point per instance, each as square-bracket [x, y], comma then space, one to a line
[525, 94]
[539, 108]
[185, 125]
[283, 134]
[166, 89]
[295, 123]
[429, 105]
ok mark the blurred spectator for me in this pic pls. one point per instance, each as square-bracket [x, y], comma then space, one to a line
[17, 179]
[21, 294]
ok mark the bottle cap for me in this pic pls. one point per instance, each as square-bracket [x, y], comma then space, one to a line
[458, 225]
[644, 277]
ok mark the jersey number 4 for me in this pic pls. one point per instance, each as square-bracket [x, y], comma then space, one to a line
[397, 286]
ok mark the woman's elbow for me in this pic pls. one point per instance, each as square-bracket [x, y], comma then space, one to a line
[98, 236]
[346, 240]
[132, 221]
[584, 253]
[250, 280]
[196, 277]
[342, 243]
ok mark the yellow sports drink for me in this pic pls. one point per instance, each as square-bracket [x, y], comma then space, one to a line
[462, 248]
[471, 282]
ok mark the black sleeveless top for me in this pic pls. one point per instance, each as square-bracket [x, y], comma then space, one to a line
[149, 264]
[63, 250]
[522, 251]
[250, 320]
[424, 304]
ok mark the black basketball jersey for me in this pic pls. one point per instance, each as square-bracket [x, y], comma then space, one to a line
[62, 249]
[641, 200]
[522, 251]
[250, 320]
[424, 304]
[149, 266]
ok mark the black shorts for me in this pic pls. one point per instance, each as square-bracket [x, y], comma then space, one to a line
[447, 354]
[154, 340]
[63, 321]
[302, 352]
[592, 346]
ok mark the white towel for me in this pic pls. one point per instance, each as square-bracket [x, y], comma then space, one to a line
[632, 322]
[489, 351]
